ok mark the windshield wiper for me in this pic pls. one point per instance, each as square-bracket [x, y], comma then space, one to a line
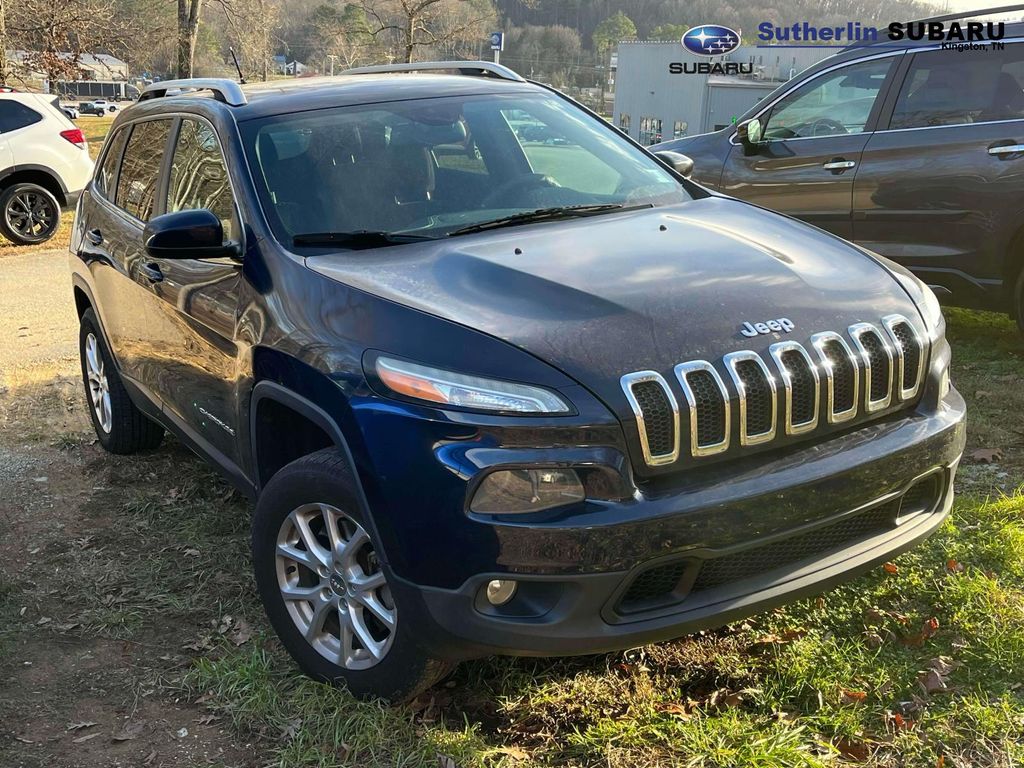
[362, 238]
[546, 214]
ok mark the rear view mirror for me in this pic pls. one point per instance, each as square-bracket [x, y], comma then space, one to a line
[680, 163]
[749, 133]
[195, 234]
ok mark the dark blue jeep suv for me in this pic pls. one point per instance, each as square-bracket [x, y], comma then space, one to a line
[494, 393]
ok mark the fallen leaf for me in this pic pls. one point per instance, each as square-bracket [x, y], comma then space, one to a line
[443, 761]
[854, 749]
[928, 628]
[854, 697]
[931, 681]
[79, 726]
[87, 736]
[954, 566]
[130, 730]
[986, 455]
[207, 719]
[191, 553]
[891, 568]
[241, 634]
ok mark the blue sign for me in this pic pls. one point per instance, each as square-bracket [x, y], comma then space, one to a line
[711, 40]
[497, 41]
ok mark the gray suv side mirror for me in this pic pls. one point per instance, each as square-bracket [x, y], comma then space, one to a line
[679, 163]
[749, 133]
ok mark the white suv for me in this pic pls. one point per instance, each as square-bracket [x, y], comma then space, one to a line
[44, 166]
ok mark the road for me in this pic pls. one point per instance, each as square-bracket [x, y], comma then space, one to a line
[37, 314]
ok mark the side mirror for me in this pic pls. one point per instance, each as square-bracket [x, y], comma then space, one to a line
[195, 234]
[749, 133]
[680, 163]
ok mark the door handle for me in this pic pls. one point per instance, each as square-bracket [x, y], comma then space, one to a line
[152, 272]
[94, 236]
[1006, 149]
[838, 164]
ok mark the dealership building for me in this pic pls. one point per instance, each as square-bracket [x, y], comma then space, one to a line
[653, 103]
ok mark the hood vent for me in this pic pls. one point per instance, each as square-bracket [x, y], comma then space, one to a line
[833, 381]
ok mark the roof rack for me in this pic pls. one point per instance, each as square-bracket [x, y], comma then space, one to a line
[972, 14]
[223, 89]
[474, 68]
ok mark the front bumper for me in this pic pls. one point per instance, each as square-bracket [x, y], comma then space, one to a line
[852, 485]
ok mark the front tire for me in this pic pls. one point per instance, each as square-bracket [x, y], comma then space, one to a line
[120, 426]
[319, 575]
[29, 214]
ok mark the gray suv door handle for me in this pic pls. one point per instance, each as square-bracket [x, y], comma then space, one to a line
[1006, 149]
[838, 164]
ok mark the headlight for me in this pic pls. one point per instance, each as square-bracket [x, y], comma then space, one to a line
[449, 388]
[510, 491]
[923, 296]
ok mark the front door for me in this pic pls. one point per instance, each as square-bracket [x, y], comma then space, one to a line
[198, 300]
[938, 187]
[814, 136]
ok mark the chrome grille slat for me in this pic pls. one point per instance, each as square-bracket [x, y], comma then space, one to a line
[822, 343]
[735, 363]
[804, 387]
[865, 337]
[779, 353]
[902, 332]
[699, 414]
[629, 382]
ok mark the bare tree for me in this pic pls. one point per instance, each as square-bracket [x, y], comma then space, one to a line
[188, 32]
[250, 27]
[412, 24]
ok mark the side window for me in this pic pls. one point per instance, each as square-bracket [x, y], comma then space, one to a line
[969, 87]
[15, 115]
[833, 104]
[199, 177]
[105, 173]
[140, 169]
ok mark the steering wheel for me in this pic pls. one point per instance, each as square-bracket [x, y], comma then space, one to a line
[522, 182]
[825, 126]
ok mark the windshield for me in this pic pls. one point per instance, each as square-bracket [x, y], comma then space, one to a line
[430, 167]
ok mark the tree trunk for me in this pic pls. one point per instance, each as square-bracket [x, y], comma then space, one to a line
[4, 74]
[188, 31]
[410, 43]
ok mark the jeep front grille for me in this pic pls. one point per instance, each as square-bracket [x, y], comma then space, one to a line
[790, 391]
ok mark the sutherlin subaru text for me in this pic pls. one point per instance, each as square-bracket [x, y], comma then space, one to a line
[499, 380]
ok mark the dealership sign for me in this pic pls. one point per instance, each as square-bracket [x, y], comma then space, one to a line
[711, 40]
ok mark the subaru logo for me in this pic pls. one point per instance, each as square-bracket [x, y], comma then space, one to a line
[710, 40]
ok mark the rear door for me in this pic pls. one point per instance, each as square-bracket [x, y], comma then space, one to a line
[815, 135]
[112, 240]
[939, 187]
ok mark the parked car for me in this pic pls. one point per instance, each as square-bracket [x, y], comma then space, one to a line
[71, 112]
[907, 149]
[91, 108]
[507, 401]
[44, 165]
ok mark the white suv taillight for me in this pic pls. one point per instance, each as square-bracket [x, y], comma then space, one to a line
[75, 136]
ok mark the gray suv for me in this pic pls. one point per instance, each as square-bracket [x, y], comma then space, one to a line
[914, 152]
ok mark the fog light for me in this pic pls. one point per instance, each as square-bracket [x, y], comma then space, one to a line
[527, 490]
[500, 591]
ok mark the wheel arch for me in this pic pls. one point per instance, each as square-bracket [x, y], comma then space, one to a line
[35, 174]
[1012, 267]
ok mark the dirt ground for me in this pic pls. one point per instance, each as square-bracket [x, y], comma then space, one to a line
[62, 556]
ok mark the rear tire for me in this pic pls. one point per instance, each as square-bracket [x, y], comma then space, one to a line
[120, 427]
[315, 560]
[29, 214]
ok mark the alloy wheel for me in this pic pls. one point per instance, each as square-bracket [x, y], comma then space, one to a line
[99, 387]
[31, 214]
[333, 586]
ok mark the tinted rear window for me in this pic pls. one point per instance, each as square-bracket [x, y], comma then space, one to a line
[140, 169]
[15, 115]
[944, 88]
[106, 172]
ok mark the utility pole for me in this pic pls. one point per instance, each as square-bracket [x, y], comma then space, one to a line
[332, 57]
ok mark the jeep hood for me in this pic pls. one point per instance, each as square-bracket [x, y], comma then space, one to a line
[603, 296]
